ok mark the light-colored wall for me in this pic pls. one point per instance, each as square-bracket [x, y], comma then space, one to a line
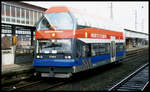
[8, 56]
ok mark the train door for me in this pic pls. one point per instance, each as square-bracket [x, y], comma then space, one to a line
[112, 49]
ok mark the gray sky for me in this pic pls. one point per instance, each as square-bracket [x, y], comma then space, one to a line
[123, 12]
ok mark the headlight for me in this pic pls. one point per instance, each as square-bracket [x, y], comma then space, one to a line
[38, 56]
[67, 57]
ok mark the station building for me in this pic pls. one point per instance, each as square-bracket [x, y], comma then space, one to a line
[18, 21]
[136, 39]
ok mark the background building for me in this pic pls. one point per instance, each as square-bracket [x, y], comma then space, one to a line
[136, 39]
[18, 20]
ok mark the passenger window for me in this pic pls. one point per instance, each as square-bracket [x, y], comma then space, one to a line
[100, 49]
[82, 50]
[120, 47]
[78, 52]
[85, 50]
[93, 53]
[107, 45]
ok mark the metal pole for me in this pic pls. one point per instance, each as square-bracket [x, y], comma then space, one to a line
[142, 24]
[111, 10]
[135, 20]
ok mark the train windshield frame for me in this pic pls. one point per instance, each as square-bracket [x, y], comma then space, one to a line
[60, 21]
[54, 46]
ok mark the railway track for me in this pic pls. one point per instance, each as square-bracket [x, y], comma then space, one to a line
[136, 81]
[26, 85]
[43, 85]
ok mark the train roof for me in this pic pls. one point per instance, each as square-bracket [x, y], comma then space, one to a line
[91, 19]
[57, 9]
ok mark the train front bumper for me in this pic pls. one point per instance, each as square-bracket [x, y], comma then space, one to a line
[60, 68]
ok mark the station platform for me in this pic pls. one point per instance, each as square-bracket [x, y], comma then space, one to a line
[135, 48]
[13, 68]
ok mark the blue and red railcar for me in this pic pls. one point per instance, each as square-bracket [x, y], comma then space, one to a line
[69, 41]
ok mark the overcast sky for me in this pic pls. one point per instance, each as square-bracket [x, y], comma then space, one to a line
[123, 12]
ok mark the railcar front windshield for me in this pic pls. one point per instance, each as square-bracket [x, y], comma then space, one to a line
[54, 46]
[60, 21]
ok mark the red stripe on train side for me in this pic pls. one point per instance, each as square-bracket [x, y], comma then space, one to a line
[49, 34]
[98, 33]
[80, 33]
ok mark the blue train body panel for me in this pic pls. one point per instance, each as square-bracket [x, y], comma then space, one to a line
[53, 62]
[100, 58]
[120, 53]
[73, 62]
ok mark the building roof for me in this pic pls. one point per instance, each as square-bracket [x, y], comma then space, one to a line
[135, 34]
[136, 31]
[23, 4]
[32, 5]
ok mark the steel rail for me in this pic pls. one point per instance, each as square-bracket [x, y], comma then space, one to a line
[37, 83]
[19, 87]
[54, 85]
[128, 77]
[145, 86]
